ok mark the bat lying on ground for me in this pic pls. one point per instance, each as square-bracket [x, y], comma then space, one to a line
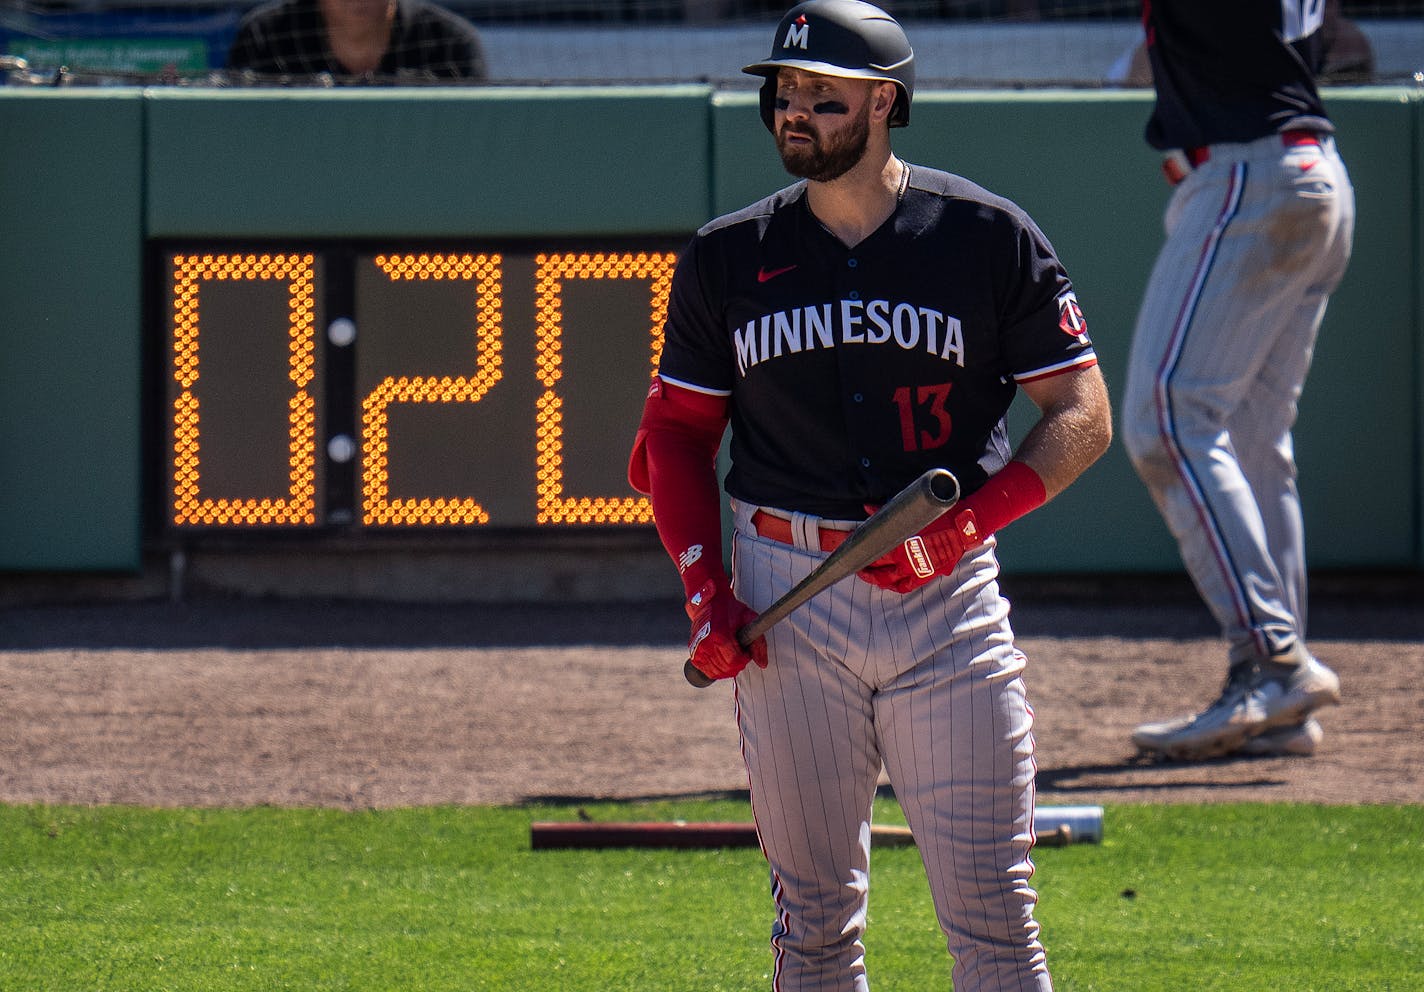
[1054, 826]
[549, 835]
[909, 511]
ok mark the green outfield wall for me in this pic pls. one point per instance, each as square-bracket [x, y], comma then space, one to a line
[95, 178]
[71, 329]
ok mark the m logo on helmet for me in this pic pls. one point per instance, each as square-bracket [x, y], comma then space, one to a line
[798, 34]
[853, 40]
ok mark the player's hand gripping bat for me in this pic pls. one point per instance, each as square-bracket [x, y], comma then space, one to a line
[910, 511]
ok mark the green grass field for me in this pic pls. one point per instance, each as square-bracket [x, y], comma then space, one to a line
[1233, 897]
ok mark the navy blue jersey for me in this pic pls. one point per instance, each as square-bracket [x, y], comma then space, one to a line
[1233, 70]
[850, 371]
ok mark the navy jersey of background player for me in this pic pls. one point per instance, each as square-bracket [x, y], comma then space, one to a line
[853, 370]
[1233, 70]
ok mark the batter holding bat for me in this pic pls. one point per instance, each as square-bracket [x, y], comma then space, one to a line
[858, 328]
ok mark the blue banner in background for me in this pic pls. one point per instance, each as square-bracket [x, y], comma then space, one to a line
[144, 41]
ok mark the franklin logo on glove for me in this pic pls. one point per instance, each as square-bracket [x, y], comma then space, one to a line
[919, 557]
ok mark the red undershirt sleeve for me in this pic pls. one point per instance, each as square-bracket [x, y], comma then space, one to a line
[674, 460]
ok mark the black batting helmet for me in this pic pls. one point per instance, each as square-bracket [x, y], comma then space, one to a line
[847, 38]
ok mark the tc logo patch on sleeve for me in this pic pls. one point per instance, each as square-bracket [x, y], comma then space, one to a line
[1070, 317]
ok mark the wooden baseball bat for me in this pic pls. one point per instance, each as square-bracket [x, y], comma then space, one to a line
[551, 834]
[909, 511]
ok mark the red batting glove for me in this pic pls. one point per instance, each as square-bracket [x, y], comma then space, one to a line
[716, 617]
[927, 554]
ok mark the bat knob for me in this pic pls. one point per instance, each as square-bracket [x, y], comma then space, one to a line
[694, 675]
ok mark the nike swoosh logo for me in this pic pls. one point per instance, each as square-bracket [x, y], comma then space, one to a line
[765, 275]
[1307, 166]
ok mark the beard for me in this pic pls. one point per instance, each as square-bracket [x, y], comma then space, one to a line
[825, 160]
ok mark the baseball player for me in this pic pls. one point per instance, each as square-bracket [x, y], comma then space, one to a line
[1259, 230]
[870, 322]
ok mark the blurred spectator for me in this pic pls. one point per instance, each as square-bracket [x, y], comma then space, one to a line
[1348, 55]
[368, 40]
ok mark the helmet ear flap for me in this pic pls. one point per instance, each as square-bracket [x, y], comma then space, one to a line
[768, 103]
[900, 112]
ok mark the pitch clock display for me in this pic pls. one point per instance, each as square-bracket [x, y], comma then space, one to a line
[356, 387]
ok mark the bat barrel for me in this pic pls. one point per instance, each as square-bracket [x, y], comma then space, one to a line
[942, 486]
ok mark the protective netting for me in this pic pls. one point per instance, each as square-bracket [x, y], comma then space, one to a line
[958, 43]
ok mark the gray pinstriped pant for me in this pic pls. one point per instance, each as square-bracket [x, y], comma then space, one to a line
[1258, 237]
[929, 684]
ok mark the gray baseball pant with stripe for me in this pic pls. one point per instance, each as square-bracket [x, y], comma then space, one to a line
[1258, 236]
[930, 685]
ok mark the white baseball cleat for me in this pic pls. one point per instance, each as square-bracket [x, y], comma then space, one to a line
[1291, 692]
[1217, 730]
[1257, 697]
[1296, 740]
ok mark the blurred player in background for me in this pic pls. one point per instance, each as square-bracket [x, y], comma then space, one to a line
[858, 328]
[1348, 59]
[358, 40]
[1259, 231]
